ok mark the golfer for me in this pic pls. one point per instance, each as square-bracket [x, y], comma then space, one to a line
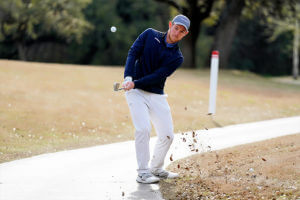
[151, 59]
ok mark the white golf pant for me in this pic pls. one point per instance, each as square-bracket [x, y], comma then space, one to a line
[146, 107]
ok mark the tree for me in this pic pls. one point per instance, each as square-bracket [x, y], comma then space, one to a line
[196, 11]
[229, 19]
[288, 23]
[226, 29]
[296, 49]
[130, 17]
[253, 51]
[23, 21]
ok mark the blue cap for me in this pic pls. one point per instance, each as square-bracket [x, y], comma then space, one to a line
[182, 20]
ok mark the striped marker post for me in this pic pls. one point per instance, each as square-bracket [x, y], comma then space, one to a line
[214, 67]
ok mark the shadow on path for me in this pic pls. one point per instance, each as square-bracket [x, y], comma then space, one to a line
[146, 192]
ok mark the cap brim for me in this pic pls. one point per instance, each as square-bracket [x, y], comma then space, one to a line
[179, 23]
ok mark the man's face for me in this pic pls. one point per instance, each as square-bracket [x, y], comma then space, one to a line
[176, 32]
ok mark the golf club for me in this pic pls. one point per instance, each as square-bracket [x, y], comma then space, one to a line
[116, 87]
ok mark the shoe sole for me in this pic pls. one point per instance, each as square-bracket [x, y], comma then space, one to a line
[139, 180]
[166, 177]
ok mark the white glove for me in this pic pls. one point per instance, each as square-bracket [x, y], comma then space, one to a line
[126, 80]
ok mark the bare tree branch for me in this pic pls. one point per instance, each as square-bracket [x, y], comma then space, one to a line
[206, 7]
[181, 9]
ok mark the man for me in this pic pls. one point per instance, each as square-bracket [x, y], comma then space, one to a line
[151, 59]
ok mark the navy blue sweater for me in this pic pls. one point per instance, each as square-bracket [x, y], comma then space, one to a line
[150, 61]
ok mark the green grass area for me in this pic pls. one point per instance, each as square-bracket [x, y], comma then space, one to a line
[53, 107]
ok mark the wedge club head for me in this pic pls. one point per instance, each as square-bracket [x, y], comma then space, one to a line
[116, 87]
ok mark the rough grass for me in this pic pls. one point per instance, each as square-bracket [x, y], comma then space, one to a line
[53, 107]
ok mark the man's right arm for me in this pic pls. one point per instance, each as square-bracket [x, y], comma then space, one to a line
[134, 53]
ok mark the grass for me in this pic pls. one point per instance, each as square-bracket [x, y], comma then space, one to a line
[52, 107]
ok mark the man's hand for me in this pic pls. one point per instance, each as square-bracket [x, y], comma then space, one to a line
[128, 85]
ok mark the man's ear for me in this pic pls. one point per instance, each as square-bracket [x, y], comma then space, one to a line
[170, 24]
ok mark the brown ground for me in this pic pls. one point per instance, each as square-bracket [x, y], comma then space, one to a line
[263, 170]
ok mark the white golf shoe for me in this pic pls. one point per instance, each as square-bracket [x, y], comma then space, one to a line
[160, 173]
[147, 178]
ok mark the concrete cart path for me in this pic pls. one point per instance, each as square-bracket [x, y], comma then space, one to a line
[109, 171]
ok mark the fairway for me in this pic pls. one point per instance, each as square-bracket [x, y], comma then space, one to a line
[53, 107]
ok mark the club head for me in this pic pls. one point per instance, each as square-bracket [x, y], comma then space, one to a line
[116, 86]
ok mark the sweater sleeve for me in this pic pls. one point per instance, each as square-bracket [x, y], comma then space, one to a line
[134, 53]
[159, 74]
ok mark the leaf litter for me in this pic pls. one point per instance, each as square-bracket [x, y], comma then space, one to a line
[237, 174]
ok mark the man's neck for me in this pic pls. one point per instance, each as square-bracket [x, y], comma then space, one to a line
[169, 45]
[168, 40]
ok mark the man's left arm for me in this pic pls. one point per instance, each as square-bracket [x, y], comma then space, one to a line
[159, 74]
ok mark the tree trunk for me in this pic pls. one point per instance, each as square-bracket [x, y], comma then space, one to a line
[189, 45]
[21, 51]
[187, 51]
[196, 12]
[226, 31]
[296, 51]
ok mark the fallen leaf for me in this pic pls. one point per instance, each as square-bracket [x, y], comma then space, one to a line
[193, 134]
[168, 137]
[263, 159]
[178, 166]
[195, 141]
[123, 194]
[217, 156]
[171, 157]
[183, 139]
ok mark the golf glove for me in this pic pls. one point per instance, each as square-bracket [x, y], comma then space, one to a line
[126, 80]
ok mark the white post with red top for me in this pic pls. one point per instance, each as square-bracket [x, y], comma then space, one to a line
[214, 67]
